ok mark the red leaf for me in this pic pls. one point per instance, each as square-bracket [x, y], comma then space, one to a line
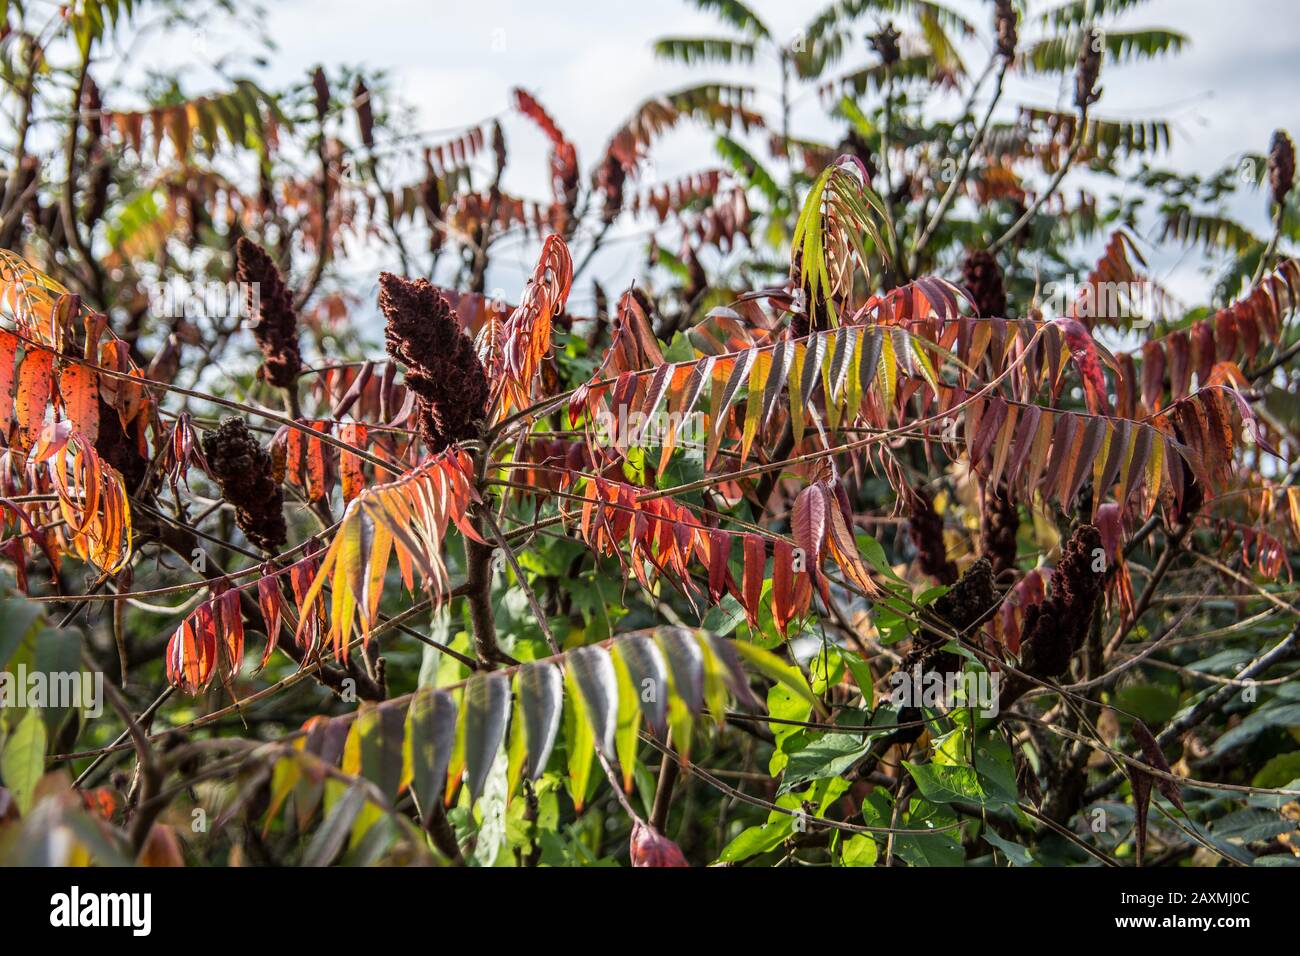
[1203, 350]
[809, 522]
[1153, 375]
[1225, 334]
[1031, 589]
[312, 619]
[1180, 364]
[719, 551]
[990, 424]
[1155, 757]
[1084, 351]
[271, 600]
[1141, 782]
[232, 629]
[1248, 326]
[205, 642]
[844, 549]
[191, 651]
[809, 526]
[12, 548]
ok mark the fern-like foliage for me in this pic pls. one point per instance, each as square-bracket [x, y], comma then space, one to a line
[1210, 232]
[828, 238]
[696, 50]
[1057, 54]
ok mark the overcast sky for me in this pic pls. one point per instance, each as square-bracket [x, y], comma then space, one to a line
[592, 63]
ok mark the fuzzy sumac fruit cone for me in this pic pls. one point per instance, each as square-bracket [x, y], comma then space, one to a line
[276, 330]
[243, 469]
[982, 277]
[449, 381]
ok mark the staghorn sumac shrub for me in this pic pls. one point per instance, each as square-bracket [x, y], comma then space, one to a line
[883, 509]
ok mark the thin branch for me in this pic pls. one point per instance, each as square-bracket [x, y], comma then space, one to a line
[1080, 132]
[963, 168]
[523, 581]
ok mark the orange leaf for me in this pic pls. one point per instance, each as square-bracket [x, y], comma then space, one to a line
[350, 467]
[8, 355]
[33, 393]
[752, 584]
[527, 333]
[316, 487]
[783, 596]
[232, 629]
[294, 441]
[79, 387]
[271, 600]
[844, 549]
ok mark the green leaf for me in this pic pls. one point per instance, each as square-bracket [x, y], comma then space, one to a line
[1278, 771]
[516, 746]
[1274, 801]
[579, 743]
[831, 754]
[686, 667]
[692, 50]
[328, 840]
[784, 704]
[22, 763]
[541, 693]
[736, 14]
[58, 657]
[947, 784]
[769, 665]
[374, 834]
[16, 620]
[996, 767]
[593, 673]
[1017, 854]
[859, 120]
[828, 756]
[755, 840]
[1154, 703]
[724, 617]
[430, 739]
[1285, 715]
[1058, 54]
[626, 735]
[649, 673]
[284, 778]
[719, 661]
[862, 676]
[859, 850]
[491, 811]
[929, 849]
[874, 555]
[381, 732]
[826, 669]
[485, 711]
[743, 162]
